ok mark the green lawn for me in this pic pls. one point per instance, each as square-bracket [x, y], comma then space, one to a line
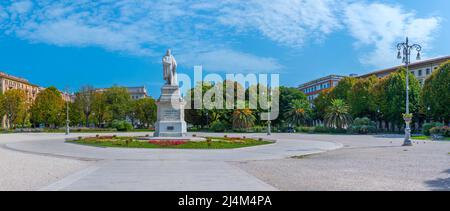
[216, 143]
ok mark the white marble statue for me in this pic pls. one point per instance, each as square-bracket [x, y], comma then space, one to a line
[170, 68]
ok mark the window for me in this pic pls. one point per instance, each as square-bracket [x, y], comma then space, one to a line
[428, 71]
[419, 73]
[413, 72]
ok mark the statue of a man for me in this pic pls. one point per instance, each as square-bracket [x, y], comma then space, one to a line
[170, 68]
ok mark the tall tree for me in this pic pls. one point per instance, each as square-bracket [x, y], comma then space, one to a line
[48, 108]
[344, 88]
[100, 111]
[14, 105]
[321, 103]
[84, 100]
[287, 96]
[436, 94]
[394, 96]
[2, 109]
[76, 116]
[361, 99]
[118, 100]
[144, 111]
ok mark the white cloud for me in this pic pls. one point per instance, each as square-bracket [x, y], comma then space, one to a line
[288, 22]
[3, 14]
[382, 26]
[20, 7]
[226, 60]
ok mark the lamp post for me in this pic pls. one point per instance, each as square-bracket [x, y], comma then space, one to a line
[67, 112]
[404, 53]
[269, 129]
[379, 124]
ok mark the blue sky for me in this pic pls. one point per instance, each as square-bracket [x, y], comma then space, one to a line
[107, 42]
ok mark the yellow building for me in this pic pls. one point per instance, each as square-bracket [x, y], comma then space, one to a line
[8, 82]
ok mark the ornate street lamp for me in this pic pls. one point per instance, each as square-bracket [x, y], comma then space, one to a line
[404, 53]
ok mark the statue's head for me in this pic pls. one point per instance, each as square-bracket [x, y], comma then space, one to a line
[168, 52]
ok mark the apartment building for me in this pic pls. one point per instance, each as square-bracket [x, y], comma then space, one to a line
[8, 82]
[421, 69]
[313, 88]
[136, 93]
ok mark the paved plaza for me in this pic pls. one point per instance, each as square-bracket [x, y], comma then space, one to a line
[294, 162]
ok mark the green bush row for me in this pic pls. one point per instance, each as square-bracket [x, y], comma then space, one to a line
[427, 127]
[319, 129]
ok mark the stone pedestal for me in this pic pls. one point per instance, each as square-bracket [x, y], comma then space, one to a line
[170, 118]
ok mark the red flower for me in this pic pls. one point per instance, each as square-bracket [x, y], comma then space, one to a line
[168, 142]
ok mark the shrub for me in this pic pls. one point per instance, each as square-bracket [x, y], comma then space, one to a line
[194, 129]
[259, 129]
[440, 130]
[218, 126]
[239, 130]
[305, 129]
[337, 130]
[122, 125]
[427, 126]
[321, 129]
[362, 126]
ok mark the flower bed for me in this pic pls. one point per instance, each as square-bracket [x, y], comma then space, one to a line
[134, 142]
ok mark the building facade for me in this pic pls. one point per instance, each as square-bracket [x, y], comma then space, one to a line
[8, 82]
[421, 70]
[136, 93]
[313, 88]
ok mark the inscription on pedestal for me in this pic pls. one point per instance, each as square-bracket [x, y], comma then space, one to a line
[171, 114]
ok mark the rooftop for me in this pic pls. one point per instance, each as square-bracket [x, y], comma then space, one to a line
[133, 89]
[319, 80]
[412, 65]
[14, 78]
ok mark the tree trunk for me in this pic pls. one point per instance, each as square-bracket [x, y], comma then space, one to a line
[87, 120]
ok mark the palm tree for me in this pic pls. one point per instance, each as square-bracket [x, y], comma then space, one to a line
[337, 115]
[243, 118]
[299, 112]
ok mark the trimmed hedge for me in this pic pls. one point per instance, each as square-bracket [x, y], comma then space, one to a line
[427, 127]
[362, 126]
[320, 129]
